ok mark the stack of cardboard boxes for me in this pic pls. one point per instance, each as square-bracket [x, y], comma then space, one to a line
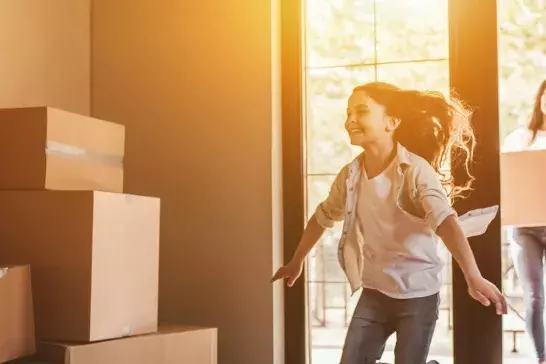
[93, 251]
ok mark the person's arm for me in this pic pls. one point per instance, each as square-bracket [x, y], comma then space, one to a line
[311, 235]
[444, 221]
[331, 210]
[325, 216]
[453, 237]
[478, 287]
[292, 271]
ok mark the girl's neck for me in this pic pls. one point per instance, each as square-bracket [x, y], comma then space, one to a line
[378, 157]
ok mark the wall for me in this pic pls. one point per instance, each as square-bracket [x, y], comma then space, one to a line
[45, 48]
[195, 84]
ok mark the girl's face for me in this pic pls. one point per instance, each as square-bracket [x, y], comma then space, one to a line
[367, 122]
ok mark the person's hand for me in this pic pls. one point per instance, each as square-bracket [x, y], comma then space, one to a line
[486, 293]
[291, 272]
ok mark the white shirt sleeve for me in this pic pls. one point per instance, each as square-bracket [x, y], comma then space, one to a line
[432, 195]
[332, 209]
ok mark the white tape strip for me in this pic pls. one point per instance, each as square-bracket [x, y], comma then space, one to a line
[66, 150]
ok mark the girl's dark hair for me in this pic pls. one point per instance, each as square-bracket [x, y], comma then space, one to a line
[537, 119]
[431, 126]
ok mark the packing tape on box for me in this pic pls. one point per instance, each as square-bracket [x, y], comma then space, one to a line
[127, 331]
[70, 151]
[3, 272]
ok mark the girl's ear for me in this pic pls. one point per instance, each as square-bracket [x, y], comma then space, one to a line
[392, 123]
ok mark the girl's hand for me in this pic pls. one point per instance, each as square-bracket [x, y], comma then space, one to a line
[291, 271]
[486, 293]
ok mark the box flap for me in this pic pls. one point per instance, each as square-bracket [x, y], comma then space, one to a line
[172, 344]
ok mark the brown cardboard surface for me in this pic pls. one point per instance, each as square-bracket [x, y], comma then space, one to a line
[46, 148]
[523, 188]
[94, 257]
[16, 315]
[171, 345]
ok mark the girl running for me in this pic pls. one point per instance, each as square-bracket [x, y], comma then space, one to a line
[395, 206]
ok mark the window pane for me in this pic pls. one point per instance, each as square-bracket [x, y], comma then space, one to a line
[337, 296]
[339, 32]
[317, 190]
[328, 148]
[317, 316]
[431, 76]
[326, 354]
[323, 265]
[328, 293]
[329, 303]
[322, 262]
[522, 59]
[411, 30]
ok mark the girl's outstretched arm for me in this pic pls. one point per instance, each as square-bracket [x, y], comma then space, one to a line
[292, 271]
[479, 288]
[327, 213]
[445, 222]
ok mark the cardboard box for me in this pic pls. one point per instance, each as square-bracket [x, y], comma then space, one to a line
[45, 148]
[94, 258]
[523, 188]
[16, 315]
[171, 345]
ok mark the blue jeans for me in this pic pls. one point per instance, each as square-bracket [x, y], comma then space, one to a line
[378, 316]
[528, 249]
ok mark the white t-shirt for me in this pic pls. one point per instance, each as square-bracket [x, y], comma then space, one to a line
[520, 139]
[400, 250]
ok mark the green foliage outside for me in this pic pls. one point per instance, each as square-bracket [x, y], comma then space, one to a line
[359, 33]
[522, 59]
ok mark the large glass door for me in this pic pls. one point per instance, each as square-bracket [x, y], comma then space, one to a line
[347, 43]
